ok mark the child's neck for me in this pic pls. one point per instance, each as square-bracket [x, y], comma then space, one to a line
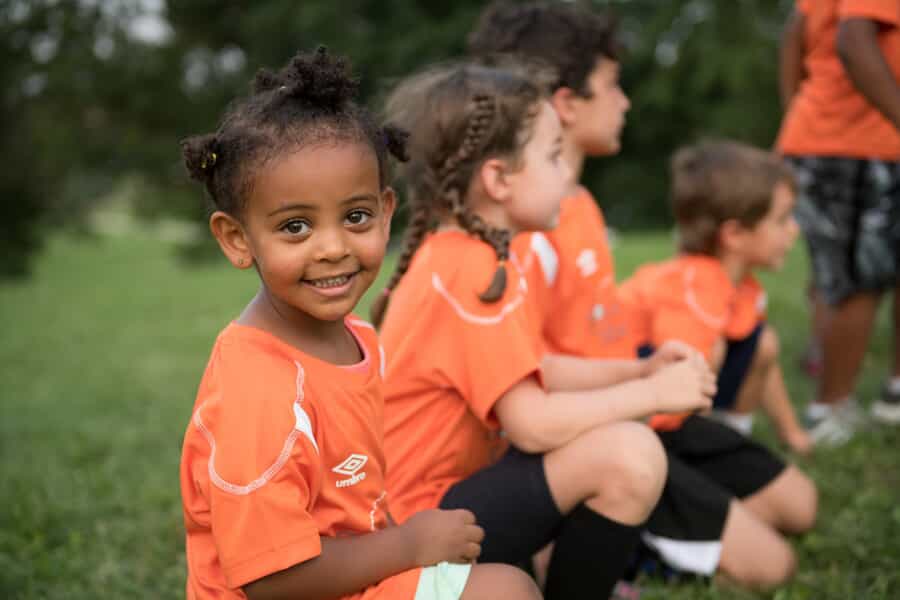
[735, 266]
[574, 156]
[329, 341]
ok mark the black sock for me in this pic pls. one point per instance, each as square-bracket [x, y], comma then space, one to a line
[590, 555]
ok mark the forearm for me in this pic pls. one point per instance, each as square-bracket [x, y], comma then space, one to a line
[551, 420]
[345, 566]
[571, 373]
[791, 71]
[861, 56]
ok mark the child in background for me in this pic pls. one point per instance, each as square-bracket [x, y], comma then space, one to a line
[840, 80]
[698, 526]
[282, 471]
[486, 162]
[733, 207]
[732, 204]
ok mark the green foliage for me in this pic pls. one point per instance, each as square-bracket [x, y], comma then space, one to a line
[92, 97]
[100, 366]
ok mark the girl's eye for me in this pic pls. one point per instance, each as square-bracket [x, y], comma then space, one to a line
[358, 217]
[295, 227]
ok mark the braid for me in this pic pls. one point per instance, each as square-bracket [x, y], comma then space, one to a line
[478, 128]
[418, 226]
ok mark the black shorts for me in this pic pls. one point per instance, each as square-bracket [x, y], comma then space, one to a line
[848, 209]
[738, 358]
[512, 502]
[710, 464]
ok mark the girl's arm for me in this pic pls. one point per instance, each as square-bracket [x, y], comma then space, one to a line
[537, 421]
[351, 564]
[857, 45]
[564, 373]
[790, 67]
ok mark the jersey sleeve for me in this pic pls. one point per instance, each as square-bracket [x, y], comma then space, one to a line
[883, 11]
[490, 346]
[262, 472]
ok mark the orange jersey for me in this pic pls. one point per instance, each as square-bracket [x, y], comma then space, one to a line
[572, 275]
[450, 357]
[282, 449]
[828, 116]
[690, 298]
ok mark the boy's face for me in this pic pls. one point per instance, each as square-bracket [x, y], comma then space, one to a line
[767, 243]
[596, 123]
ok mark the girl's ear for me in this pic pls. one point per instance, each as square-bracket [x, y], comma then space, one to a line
[562, 101]
[493, 176]
[388, 204]
[232, 240]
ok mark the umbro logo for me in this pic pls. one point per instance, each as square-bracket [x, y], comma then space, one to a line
[350, 467]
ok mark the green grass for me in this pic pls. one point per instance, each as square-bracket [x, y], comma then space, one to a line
[101, 354]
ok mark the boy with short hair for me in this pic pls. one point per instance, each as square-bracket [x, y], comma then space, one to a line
[733, 207]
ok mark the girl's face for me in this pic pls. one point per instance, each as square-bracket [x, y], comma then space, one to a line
[543, 178]
[316, 226]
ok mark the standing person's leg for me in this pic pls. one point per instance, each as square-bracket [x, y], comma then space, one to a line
[831, 211]
[590, 496]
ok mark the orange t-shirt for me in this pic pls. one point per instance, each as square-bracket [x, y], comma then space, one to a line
[282, 449]
[572, 275]
[450, 357]
[828, 116]
[690, 298]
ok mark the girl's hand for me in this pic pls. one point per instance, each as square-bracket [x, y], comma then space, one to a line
[444, 535]
[671, 351]
[685, 386]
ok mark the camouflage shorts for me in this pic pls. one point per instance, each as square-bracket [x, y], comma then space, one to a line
[849, 211]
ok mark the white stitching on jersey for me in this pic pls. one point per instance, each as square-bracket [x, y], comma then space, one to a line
[691, 299]
[374, 508]
[478, 320]
[303, 426]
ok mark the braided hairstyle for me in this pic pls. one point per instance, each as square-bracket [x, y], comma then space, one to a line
[460, 116]
[309, 101]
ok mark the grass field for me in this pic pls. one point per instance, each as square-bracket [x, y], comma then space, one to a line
[100, 357]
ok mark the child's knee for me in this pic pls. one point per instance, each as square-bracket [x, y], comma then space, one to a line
[804, 503]
[774, 566]
[629, 465]
[768, 347]
[489, 581]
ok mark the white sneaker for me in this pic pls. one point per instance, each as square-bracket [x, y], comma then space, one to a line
[887, 408]
[839, 426]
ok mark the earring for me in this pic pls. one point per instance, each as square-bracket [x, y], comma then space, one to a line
[240, 262]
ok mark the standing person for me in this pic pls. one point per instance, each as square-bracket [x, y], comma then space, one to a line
[702, 525]
[282, 470]
[486, 162]
[841, 134]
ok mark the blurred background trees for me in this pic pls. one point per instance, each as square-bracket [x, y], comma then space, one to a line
[97, 92]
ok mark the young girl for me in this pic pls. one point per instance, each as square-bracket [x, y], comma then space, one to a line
[463, 358]
[282, 472]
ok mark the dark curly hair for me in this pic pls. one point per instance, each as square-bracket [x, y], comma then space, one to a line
[567, 37]
[308, 101]
[460, 115]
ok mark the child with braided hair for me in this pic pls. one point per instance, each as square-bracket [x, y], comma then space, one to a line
[282, 470]
[463, 362]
